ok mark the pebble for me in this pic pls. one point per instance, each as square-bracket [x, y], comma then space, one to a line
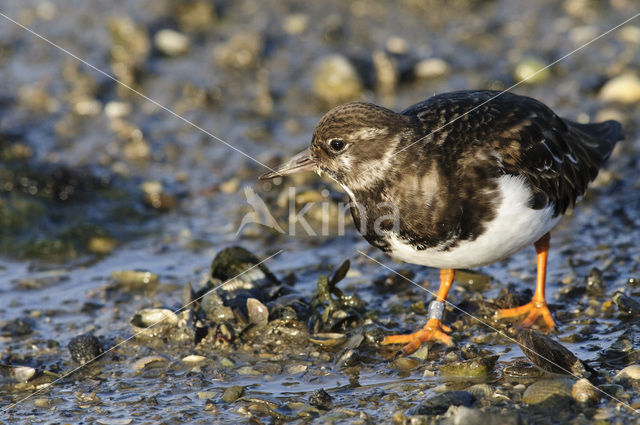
[42, 402]
[595, 283]
[439, 404]
[584, 392]
[629, 373]
[241, 51]
[335, 80]
[115, 109]
[135, 279]
[296, 23]
[101, 245]
[230, 186]
[149, 362]
[227, 362]
[232, 393]
[545, 389]
[462, 415]
[321, 399]
[85, 348]
[431, 68]
[474, 368]
[248, 370]
[296, 368]
[193, 358]
[171, 43]
[628, 306]
[206, 395]
[624, 89]
[526, 69]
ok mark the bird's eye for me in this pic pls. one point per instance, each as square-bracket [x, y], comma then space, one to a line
[337, 145]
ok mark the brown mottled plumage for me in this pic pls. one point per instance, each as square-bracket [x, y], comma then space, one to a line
[471, 176]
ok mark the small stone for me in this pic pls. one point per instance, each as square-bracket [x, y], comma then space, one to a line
[116, 109]
[321, 399]
[296, 23]
[583, 391]
[405, 363]
[227, 362]
[335, 80]
[473, 368]
[42, 402]
[530, 71]
[385, 71]
[397, 45]
[87, 107]
[296, 368]
[149, 362]
[595, 283]
[633, 282]
[461, 415]
[241, 51]
[135, 279]
[85, 348]
[171, 43]
[248, 370]
[628, 306]
[629, 373]
[101, 245]
[205, 395]
[16, 327]
[230, 186]
[624, 89]
[232, 393]
[431, 68]
[630, 33]
[440, 403]
[193, 359]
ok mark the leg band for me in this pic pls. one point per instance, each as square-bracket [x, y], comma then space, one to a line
[436, 310]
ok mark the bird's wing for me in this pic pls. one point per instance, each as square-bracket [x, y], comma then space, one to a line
[523, 136]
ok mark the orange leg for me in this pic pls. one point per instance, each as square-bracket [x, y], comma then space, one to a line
[434, 330]
[538, 306]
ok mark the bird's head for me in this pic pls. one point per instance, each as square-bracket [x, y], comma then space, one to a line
[351, 143]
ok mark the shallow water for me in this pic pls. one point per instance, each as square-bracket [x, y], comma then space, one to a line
[267, 110]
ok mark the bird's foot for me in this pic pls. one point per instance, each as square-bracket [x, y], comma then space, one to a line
[534, 310]
[434, 331]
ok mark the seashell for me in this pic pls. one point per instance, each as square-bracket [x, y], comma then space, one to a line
[258, 312]
[148, 317]
[548, 389]
[17, 373]
[328, 339]
[149, 362]
[548, 354]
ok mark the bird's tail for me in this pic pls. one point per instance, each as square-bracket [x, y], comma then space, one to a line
[602, 136]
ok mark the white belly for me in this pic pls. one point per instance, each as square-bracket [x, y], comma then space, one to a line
[514, 227]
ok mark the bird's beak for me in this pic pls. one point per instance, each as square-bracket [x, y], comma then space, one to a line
[299, 163]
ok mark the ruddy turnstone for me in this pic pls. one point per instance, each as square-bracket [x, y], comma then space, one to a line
[460, 180]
